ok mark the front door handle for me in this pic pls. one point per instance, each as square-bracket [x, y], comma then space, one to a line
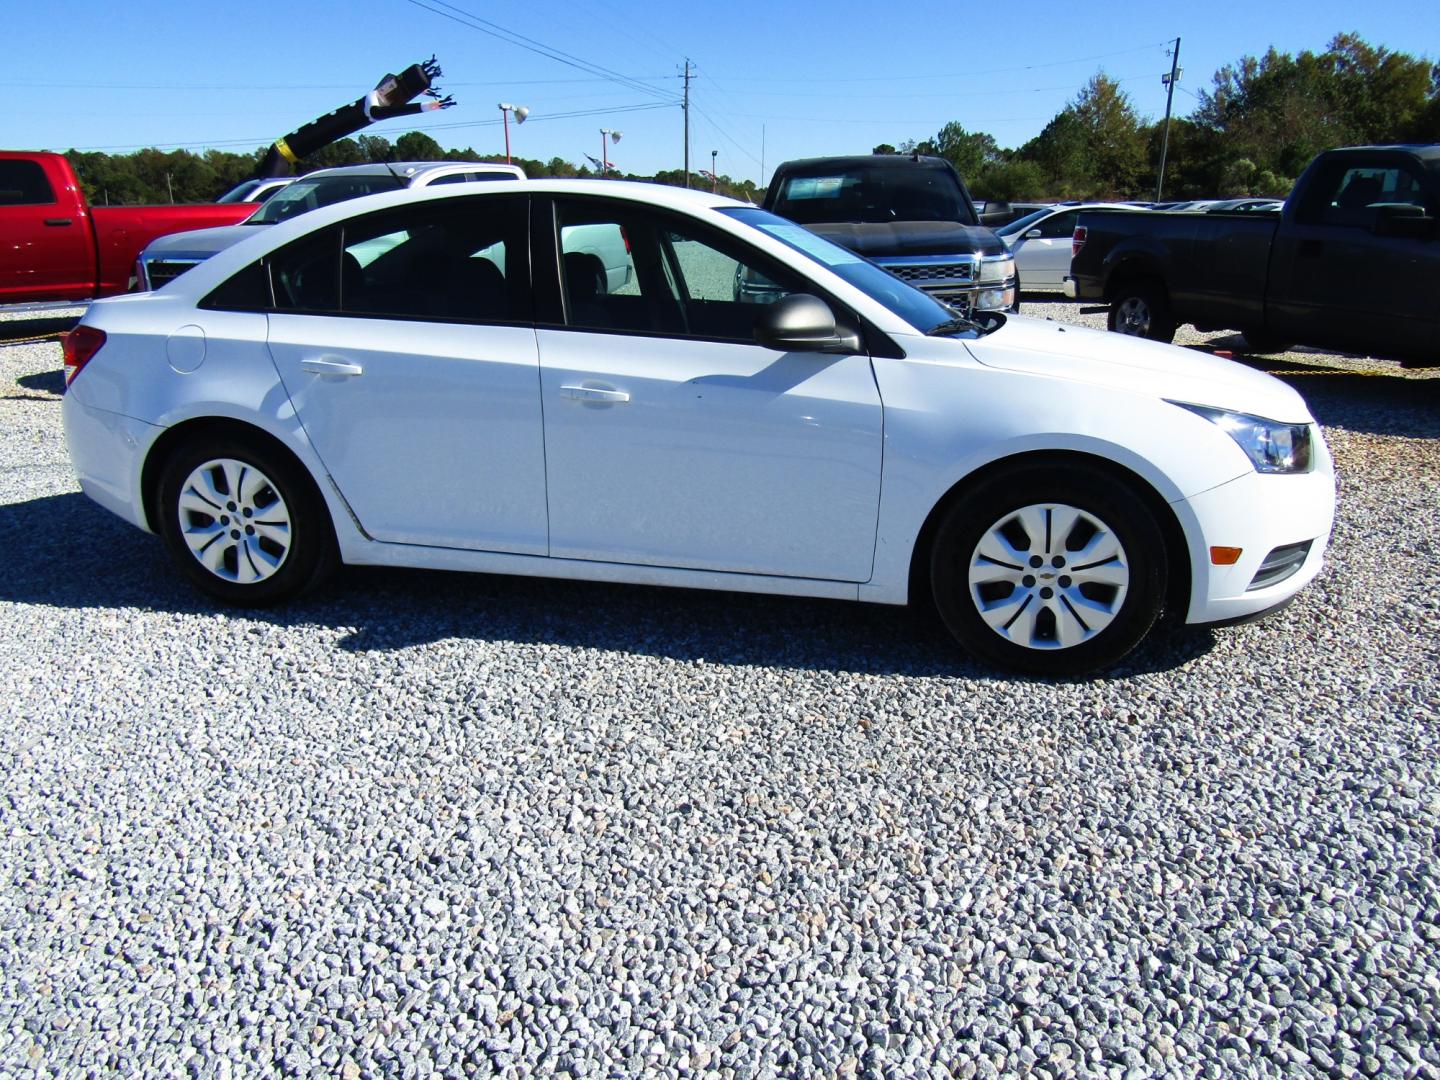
[57, 221]
[331, 367]
[593, 393]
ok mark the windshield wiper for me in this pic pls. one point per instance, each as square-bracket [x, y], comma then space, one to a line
[950, 326]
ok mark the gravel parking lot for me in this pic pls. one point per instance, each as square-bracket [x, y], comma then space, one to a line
[426, 823]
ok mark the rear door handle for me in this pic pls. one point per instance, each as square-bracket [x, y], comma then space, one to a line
[331, 367]
[593, 393]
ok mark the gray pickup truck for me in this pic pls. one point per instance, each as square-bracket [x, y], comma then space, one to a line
[1351, 262]
[910, 215]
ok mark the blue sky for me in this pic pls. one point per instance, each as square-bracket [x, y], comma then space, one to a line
[773, 80]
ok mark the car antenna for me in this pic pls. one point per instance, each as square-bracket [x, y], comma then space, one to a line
[398, 178]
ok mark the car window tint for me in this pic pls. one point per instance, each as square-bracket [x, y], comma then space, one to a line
[1353, 196]
[23, 183]
[631, 270]
[305, 275]
[442, 261]
[1059, 226]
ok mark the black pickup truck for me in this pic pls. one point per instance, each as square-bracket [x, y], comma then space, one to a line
[910, 214]
[1351, 262]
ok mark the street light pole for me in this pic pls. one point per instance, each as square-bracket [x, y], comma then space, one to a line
[604, 159]
[714, 180]
[521, 112]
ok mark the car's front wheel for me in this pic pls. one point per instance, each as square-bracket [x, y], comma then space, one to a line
[1053, 571]
[242, 521]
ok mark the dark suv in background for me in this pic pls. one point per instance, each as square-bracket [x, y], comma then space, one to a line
[910, 214]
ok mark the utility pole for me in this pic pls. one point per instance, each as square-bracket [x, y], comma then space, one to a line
[685, 108]
[1169, 81]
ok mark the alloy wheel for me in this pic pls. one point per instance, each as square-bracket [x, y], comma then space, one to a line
[234, 521]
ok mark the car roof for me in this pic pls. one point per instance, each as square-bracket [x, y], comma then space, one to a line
[407, 169]
[863, 161]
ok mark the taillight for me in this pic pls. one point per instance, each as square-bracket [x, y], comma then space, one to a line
[1078, 240]
[79, 345]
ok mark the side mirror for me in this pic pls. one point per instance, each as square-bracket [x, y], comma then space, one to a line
[803, 323]
[1033, 234]
[1404, 221]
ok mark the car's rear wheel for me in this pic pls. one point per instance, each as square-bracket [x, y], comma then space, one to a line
[243, 522]
[1141, 309]
[1052, 571]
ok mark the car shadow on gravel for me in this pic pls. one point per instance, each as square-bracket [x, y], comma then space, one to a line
[1378, 400]
[46, 382]
[89, 559]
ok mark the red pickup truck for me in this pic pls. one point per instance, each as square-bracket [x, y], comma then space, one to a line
[55, 246]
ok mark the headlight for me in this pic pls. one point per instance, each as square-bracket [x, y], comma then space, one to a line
[1271, 447]
[996, 268]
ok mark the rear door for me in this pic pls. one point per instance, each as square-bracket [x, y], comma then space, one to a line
[46, 251]
[406, 343]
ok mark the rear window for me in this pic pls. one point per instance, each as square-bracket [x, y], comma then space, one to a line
[23, 183]
[874, 196]
[305, 195]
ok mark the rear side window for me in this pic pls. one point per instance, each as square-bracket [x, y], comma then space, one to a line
[456, 260]
[23, 183]
[1353, 195]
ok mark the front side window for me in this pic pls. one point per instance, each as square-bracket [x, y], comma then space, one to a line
[23, 183]
[917, 308]
[1352, 196]
[624, 269]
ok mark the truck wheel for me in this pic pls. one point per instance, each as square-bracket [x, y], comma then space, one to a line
[1260, 342]
[1053, 571]
[1141, 309]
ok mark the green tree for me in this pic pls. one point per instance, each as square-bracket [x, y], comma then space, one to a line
[417, 146]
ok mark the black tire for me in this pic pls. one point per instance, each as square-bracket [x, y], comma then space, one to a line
[1263, 344]
[1099, 498]
[1140, 308]
[278, 571]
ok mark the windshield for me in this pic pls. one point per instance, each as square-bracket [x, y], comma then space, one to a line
[917, 308]
[874, 195]
[238, 192]
[306, 195]
[1019, 225]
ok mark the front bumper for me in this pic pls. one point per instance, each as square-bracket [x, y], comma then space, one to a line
[1262, 515]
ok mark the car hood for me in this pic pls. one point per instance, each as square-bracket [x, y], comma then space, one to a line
[1041, 347]
[199, 243]
[910, 238]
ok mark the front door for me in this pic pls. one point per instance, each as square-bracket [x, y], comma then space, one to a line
[46, 248]
[671, 437]
[406, 344]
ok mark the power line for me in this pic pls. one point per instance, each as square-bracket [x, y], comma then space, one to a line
[485, 26]
[284, 87]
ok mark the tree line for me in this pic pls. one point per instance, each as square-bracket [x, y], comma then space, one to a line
[1255, 129]
[162, 176]
[1260, 122]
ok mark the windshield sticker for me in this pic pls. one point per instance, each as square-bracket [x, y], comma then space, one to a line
[814, 187]
[816, 247]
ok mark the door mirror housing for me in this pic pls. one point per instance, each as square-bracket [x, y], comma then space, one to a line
[1033, 234]
[804, 323]
[1405, 221]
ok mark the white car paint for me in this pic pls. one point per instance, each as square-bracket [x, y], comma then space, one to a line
[713, 465]
[1042, 246]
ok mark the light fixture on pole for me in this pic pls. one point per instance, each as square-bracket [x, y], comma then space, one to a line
[604, 153]
[714, 180]
[520, 111]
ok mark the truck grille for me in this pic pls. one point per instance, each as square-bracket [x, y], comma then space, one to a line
[932, 275]
[160, 272]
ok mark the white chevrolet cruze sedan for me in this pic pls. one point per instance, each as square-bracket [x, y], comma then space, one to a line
[448, 379]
